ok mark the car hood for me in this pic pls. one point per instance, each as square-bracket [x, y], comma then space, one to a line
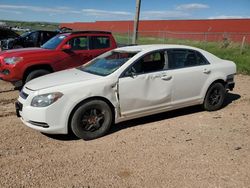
[60, 78]
[23, 51]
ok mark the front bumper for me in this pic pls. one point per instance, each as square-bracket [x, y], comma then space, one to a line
[12, 72]
[46, 119]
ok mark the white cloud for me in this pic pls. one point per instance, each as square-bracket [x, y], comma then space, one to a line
[163, 14]
[192, 6]
[96, 12]
[182, 11]
[59, 10]
[10, 11]
[227, 17]
[18, 9]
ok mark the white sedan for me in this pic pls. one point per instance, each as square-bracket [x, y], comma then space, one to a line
[123, 84]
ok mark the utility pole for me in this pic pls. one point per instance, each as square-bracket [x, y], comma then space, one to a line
[136, 21]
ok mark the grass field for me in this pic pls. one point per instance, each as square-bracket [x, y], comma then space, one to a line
[229, 50]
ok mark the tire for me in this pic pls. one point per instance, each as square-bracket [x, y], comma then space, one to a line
[35, 74]
[91, 120]
[215, 97]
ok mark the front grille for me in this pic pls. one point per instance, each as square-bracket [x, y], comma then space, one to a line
[23, 95]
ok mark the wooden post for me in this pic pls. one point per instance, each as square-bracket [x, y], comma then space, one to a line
[242, 44]
[136, 21]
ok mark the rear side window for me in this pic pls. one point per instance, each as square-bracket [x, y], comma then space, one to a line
[181, 58]
[101, 42]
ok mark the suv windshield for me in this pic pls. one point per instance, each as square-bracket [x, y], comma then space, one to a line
[107, 63]
[54, 42]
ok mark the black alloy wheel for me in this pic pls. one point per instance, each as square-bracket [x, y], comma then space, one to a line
[215, 97]
[91, 120]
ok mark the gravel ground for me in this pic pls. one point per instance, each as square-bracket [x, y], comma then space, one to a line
[182, 148]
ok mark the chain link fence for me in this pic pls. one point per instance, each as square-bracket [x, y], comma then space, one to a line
[167, 36]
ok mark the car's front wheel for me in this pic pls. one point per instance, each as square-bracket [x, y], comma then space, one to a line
[215, 97]
[91, 120]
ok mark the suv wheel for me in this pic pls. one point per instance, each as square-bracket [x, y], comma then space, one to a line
[92, 120]
[35, 74]
[215, 97]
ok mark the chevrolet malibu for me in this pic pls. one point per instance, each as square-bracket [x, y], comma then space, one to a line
[123, 84]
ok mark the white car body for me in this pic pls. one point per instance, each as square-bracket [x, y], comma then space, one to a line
[130, 96]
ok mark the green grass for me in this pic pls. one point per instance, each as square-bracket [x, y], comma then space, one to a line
[229, 51]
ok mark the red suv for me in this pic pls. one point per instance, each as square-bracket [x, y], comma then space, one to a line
[64, 51]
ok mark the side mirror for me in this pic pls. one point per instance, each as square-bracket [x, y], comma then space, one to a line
[66, 47]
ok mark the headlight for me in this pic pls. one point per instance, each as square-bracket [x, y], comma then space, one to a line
[12, 60]
[46, 99]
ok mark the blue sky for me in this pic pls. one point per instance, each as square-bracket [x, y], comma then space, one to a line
[96, 10]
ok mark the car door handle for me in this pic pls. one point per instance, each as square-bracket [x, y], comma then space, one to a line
[166, 77]
[206, 71]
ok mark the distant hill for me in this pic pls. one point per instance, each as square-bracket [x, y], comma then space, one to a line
[31, 25]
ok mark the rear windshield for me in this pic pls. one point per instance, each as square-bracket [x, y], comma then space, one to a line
[107, 63]
[53, 42]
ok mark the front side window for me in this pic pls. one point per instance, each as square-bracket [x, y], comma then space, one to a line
[107, 63]
[78, 43]
[150, 63]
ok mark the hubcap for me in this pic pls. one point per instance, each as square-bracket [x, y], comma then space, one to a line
[92, 119]
[215, 97]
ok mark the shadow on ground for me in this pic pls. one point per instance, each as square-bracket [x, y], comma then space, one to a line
[230, 97]
[62, 137]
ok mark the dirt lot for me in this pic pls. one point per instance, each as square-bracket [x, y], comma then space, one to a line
[183, 148]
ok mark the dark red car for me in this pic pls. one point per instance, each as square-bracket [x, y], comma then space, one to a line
[64, 51]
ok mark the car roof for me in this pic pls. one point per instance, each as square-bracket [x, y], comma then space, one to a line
[152, 47]
[86, 32]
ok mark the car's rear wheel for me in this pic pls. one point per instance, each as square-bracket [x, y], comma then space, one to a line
[91, 120]
[215, 97]
[36, 74]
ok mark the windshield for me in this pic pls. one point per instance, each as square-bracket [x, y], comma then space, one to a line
[54, 42]
[107, 63]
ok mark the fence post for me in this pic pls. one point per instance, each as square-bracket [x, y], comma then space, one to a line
[242, 44]
[128, 36]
